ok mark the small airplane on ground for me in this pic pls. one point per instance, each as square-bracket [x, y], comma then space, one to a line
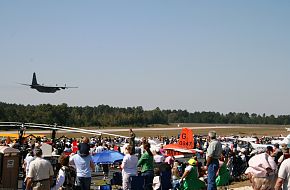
[184, 147]
[43, 88]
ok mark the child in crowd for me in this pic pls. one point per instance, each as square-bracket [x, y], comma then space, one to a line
[156, 180]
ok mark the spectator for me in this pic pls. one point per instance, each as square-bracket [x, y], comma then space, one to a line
[170, 160]
[162, 150]
[83, 165]
[26, 162]
[261, 170]
[189, 180]
[276, 153]
[285, 154]
[283, 181]
[40, 173]
[146, 162]
[29, 157]
[66, 175]
[99, 148]
[84, 147]
[158, 157]
[156, 180]
[105, 170]
[129, 167]
[67, 149]
[132, 140]
[175, 175]
[227, 150]
[212, 161]
[223, 174]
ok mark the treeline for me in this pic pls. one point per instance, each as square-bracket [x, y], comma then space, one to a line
[104, 115]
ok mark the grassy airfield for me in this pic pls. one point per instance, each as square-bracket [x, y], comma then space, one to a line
[200, 129]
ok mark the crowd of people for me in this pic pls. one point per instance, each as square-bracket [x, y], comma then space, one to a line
[216, 165]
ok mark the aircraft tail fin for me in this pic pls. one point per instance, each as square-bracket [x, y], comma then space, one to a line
[186, 139]
[34, 81]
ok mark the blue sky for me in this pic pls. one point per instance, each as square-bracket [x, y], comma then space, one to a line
[223, 56]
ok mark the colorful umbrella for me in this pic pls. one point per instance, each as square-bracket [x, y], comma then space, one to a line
[107, 157]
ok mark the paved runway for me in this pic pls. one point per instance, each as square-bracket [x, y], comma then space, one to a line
[126, 129]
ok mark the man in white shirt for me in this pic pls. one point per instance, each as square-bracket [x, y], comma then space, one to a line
[40, 173]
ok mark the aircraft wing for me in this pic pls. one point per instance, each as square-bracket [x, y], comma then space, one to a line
[25, 84]
[260, 146]
[65, 87]
[68, 87]
[60, 87]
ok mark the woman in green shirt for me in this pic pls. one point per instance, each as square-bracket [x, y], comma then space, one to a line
[146, 163]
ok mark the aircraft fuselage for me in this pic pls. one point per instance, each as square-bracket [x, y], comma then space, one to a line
[45, 89]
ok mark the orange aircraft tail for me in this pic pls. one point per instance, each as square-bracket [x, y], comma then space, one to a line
[186, 139]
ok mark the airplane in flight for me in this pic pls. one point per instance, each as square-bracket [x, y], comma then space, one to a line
[43, 88]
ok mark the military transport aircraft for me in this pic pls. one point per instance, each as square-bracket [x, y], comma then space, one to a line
[44, 88]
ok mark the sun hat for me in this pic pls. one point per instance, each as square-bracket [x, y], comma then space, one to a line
[192, 162]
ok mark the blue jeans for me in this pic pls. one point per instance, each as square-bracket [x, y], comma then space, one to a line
[149, 175]
[175, 184]
[211, 174]
[83, 183]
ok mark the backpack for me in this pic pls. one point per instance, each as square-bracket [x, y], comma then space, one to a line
[70, 177]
